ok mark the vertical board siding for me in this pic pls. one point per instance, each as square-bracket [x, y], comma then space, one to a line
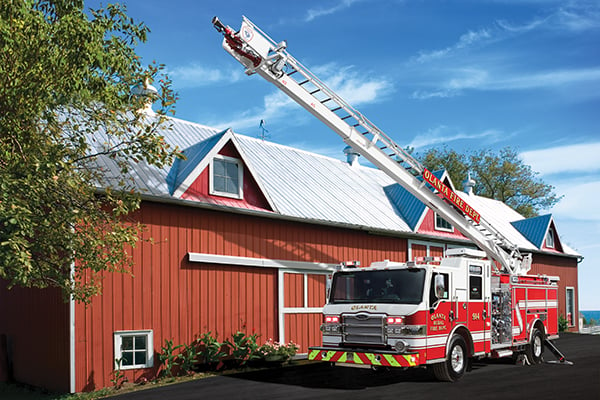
[303, 329]
[316, 290]
[566, 268]
[293, 289]
[36, 325]
[179, 300]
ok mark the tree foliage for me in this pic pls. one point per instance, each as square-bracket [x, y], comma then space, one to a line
[66, 75]
[498, 175]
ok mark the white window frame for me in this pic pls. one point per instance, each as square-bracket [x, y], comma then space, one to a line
[212, 191]
[441, 228]
[550, 235]
[118, 339]
[570, 307]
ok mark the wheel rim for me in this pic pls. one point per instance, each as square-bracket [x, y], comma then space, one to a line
[537, 346]
[457, 358]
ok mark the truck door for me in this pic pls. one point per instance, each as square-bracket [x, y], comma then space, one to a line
[478, 309]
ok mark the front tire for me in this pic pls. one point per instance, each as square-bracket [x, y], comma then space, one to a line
[535, 349]
[455, 365]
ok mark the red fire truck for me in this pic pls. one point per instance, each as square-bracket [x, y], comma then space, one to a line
[440, 313]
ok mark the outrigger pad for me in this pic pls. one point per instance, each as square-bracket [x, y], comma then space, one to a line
[560, 356]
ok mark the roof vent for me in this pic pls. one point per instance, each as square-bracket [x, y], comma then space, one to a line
[148, 92]
[351, 156]
[468, 184]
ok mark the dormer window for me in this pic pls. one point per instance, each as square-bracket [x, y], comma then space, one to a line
[550, 238]
[227, 177]
[442, 225]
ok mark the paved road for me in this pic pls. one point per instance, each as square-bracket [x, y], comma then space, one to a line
[488, 380]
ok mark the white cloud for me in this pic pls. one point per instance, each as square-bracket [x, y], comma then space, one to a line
[580, 201]
[195, 75]
[480, 79]
[466, 40]
[314, 13]
[564, 159]
[443, 134]
[354, 88]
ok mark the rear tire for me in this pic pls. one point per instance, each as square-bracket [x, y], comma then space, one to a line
[535, 349]
[456, 362]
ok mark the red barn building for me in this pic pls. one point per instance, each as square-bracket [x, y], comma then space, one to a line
[244, 234]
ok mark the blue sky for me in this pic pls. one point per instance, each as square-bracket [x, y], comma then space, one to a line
[467, 74]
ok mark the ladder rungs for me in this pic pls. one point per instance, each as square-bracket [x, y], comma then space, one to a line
[346, 117]
[325, 101]
[303, 82]
[315, 91]
[292, 73]
[335, 109]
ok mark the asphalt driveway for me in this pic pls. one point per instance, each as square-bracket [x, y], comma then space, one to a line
[493, 379]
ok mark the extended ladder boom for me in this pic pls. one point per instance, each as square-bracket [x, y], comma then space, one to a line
[261, 55]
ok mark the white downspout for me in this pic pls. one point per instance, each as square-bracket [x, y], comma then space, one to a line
[72, 335]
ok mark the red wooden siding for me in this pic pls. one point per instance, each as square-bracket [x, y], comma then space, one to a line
[293, 290]
[316, 290]
[303, 329]
[36, 325]
[418, 250]
[566, 268]
[178, 299]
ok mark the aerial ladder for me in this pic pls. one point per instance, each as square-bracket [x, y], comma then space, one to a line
[261, 55]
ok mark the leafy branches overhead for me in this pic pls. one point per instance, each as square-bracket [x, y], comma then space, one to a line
[502, 176]
[69, 130]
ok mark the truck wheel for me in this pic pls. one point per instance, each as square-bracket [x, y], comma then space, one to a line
[455, 365]
[535, 348]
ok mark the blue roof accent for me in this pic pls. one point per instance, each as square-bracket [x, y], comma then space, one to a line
[406, 204]
[181, 169]
[534, 229]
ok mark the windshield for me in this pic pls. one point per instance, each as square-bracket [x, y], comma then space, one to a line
[380, 286]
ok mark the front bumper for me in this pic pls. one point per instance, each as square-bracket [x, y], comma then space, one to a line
[378, 358]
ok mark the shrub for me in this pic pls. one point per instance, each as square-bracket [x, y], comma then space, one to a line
[211, 352]
[167, 357]
[563, 324]
[277, 351]
[243, 348]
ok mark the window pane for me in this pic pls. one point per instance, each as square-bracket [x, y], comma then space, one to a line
[127, 343]
[140, 357]
[232, 170]
[140, 342]
[127, 358]
[219, 167]
[475, 288]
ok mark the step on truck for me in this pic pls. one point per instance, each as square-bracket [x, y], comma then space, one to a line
[473, 303]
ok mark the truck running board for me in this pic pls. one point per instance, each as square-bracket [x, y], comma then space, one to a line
[560, 356]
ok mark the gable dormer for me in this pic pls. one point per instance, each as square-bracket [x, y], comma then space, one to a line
[419, 217]
[215, 171]
[540, 231]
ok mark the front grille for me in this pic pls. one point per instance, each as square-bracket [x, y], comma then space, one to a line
[364, 329]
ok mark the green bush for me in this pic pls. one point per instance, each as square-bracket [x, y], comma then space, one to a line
[243, 348]
[563, 324]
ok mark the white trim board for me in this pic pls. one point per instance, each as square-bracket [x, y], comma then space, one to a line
[259, 262]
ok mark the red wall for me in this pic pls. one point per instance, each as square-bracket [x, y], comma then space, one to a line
[179, 299]
[566, 268]
[36, 325]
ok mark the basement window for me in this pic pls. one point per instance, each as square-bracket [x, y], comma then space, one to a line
[442, 225]
[227, 177]
[134, 349]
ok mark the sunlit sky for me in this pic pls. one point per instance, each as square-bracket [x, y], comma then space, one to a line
[478, 74]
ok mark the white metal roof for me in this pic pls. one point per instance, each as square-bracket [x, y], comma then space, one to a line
[305, 185]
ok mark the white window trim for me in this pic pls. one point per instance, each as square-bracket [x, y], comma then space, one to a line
[238, 162]
[441, 228]
[118, 336]
[550, 234]
[573, 316]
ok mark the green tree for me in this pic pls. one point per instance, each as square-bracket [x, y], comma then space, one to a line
[498, 175]
[66, 75]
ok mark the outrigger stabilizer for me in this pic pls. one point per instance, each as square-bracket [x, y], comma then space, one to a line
[560, 357]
